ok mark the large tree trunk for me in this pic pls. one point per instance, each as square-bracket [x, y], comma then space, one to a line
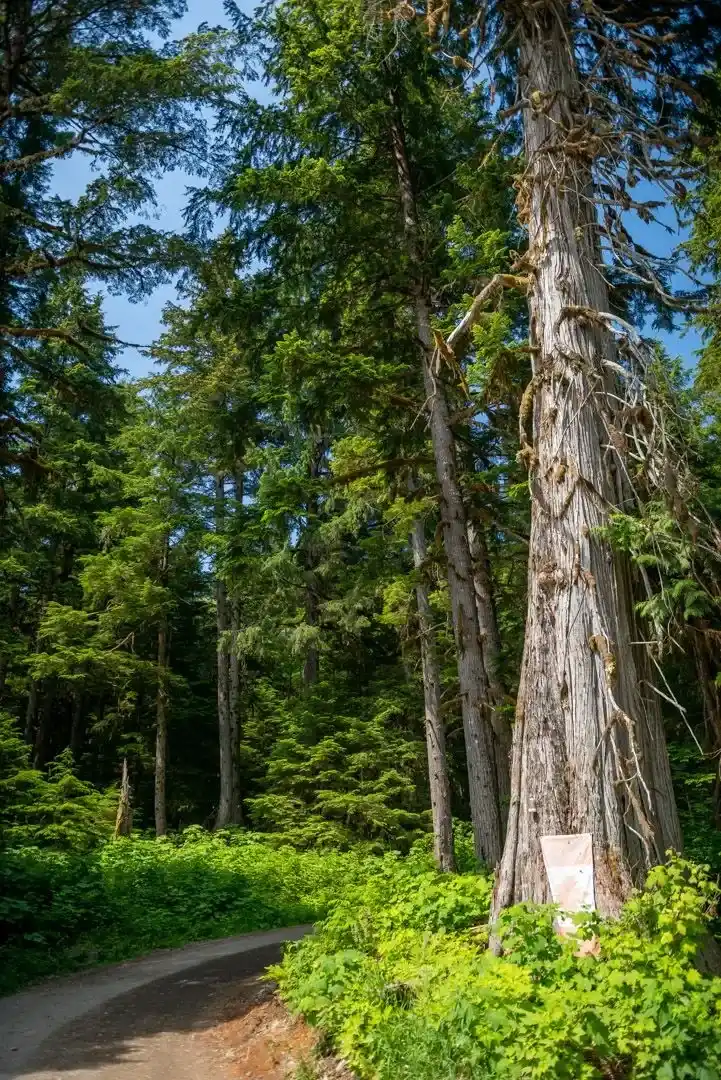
[438, 779]
[473, 685]
[225, 745]
[589, 753]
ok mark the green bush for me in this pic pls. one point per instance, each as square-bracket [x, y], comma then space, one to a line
[60, 910]
[400, 977]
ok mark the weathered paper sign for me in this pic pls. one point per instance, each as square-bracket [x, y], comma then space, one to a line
[569, 867]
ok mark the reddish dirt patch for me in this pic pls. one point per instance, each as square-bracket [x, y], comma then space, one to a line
[259, 1039]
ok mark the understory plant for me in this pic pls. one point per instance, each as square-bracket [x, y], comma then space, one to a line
[65, 909]
[400, 977]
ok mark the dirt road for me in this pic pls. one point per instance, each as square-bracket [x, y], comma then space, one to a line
[142, 1020]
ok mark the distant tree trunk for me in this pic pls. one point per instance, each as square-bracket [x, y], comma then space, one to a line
[491, 641]
[31, 712]
[225, 746]
[589, 752]
[161, 710]
[124, 816]
[5, 657]
[707, 669]
[77, 725]
[234, 687]
[161, 733]
[438, 778]
[473, 685]
[310, 664]
[486, 607]
[234, 668]
[312, 605]
[43, 734]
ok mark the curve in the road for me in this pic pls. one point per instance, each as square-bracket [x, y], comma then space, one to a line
[124, 1021]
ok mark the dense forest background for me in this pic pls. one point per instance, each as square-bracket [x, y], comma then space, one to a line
[233, 574]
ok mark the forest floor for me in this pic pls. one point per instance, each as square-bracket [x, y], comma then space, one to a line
[198, 1013]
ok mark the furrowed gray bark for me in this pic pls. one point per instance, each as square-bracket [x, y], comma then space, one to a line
[234, 675]
[589, 752]
[491, 642]
[222, 621]
[161, 710]
[161, 733]
[438, 779]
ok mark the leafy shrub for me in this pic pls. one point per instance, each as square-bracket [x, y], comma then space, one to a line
[48, 809]
[60, 910]
[400, 978]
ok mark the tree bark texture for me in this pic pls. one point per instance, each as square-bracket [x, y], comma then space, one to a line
[161, 709]
[491, 642]
[234, 672]
[77, 725]
[234, 687]
[11, 617]
[310, 559]
[222, 620]
[31, 712]
[707, 667]
[161, 733]
[438, 778]
[124, 816]
[589, 751]
[473, 685]
[42, 752]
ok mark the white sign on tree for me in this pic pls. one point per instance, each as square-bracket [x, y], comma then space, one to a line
[569, 867]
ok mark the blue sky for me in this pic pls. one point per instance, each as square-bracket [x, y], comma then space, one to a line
[142, 322]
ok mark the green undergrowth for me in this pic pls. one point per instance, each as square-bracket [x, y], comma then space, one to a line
[63, 910]
[401, 981]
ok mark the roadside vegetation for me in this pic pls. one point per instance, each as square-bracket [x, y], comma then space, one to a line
[400, 978]
[65, 910]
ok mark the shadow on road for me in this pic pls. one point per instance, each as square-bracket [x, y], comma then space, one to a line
[186, 1002]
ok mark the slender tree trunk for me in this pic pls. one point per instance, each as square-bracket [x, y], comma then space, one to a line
[473, 685]
[161, 733]
[491, 641]
[312, 606]
[11, 615]
[310, 664]
[589, 752]
[31, 712]
[161, 710]
[124, 816]
[234, 670]
[486, 607]
[707, 671]
[77, 725]
[225, 746]
[43, 734]
[234, 687]
[439, 782]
